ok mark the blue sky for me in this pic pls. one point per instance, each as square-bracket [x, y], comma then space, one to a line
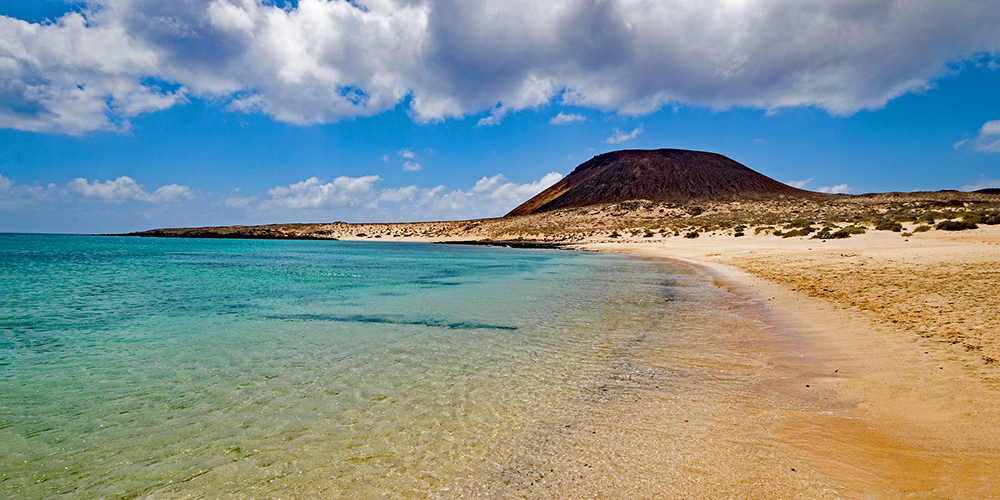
[122, 115]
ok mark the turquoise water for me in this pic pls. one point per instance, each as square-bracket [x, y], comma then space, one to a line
[170, 368]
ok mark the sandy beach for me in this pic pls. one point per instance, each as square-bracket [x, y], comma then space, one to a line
[900, 332]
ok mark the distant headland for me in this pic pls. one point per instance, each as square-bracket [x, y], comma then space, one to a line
[656, 194]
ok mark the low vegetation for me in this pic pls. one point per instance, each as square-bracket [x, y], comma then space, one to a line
[956, 225]
[829, 234]
[837, 218]
[888, 225]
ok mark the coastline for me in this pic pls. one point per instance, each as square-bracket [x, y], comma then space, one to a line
[886, 342]
[920, 413]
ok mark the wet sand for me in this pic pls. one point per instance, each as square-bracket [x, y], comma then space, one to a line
[690, 413]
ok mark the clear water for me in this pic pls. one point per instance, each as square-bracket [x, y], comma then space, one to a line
[296, 369]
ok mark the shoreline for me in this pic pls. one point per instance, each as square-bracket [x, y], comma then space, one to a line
[894, 332]
[923, 412]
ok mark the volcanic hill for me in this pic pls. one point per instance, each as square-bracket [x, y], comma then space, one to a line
[662, 175]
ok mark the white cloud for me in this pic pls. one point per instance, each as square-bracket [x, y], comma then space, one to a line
[125, 188]
[981, 182]
[619, 137]
[121, 189]
[116, 191]
[496, 116]
[313, 193]
[489, 197]
[343, 198]
[399, 195]
[409, 165]
[564, 118]
[990, 128]
[988, 139]
[799, 184]
[837, 189]
[171, 192]
[13, 195]
[329, 60]
[75, 76]
[235, 201]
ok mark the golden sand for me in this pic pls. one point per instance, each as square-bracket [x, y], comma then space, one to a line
[901, 330]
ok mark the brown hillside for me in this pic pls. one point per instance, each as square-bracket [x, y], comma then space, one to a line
[663, 175]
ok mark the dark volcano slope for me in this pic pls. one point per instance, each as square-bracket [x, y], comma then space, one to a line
[663, 175]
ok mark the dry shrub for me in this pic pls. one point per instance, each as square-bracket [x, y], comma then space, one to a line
[955, 225]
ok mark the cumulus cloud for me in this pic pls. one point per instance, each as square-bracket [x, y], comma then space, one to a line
[313, 193]
[122, 189]
[836, 189]
[323, 61]
[412, 166]
[800, 184]
[75, 76]
[619, 137]
[988, 139]
[14, 195]
[564, 118]
[490, 196]
[406, 153]
[125, 188]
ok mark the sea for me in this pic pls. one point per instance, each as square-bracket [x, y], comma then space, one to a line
[210, 368]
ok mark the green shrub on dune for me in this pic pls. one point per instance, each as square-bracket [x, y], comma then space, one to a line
[829, 234]
[805, 231]
[955, 225]
[972, 217]
[888, 225]
[798, 223]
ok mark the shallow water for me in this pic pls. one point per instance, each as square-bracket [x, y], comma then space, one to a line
[235, 369]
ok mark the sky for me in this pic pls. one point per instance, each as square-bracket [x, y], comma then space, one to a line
[126, 115]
